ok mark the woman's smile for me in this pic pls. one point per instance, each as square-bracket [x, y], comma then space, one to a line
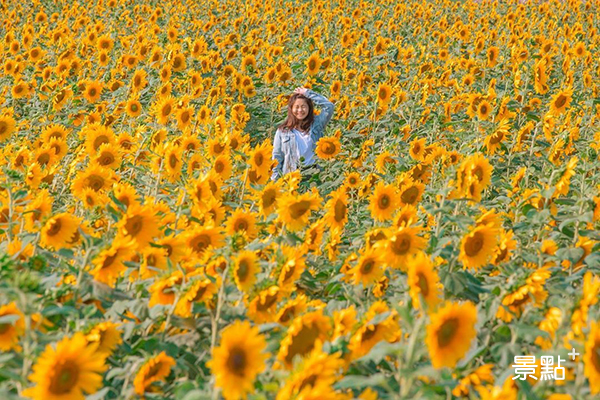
[300, 109]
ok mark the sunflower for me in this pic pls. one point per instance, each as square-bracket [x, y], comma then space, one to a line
[106, 335]
[292, 268]
[173, 162]
[260, 159]
[67, 371]
[261, 308]
[479, 167]
[450, 332]
[478, 246]
[12, 328]
[20, 90]
[215, 147]
[59, 146]
[484, 109]
[108, 156]
[222, 166]
[105, 43]
[96, 135]
[292, 309]
[140, 223]
[139, 81]
[294, 210]
[560, 101]
[314, 236]
[125, 194]
[417, 149]
[155, 369]
[39, 208]
[302, 336]
[423, 281]
[185, 116]
[492, 141]
[200, 239]
[267, 198]
[163, 290]
[154, 260]
[164, 108]
[591, 358]
[133, 108]
[245, 269]
[7, 127]
[337, 208]
[344, 321]
[352, 180]
[313, 64]
[108, 265]
[46, 157]
[384, 94]
[492, 56]
[200, 290]
[401, 244]
[92, 91]
[238, 359]
[242, 222]
[314, 377]
[375, 329]
[328, 147]
[204, 115]
[383, 202]
[60, 231]
[369, 268]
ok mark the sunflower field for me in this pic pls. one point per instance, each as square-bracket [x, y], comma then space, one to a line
[453, 229]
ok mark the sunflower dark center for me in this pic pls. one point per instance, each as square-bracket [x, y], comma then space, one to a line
[100, 140]
[339, 211]
[423, 285]
[596, 356]
[173, 160]
[447, 332]
[200, 242]
[303, 342]
[329, 148]
[369, 333]
[268, 198]
[401, 244]
[65, 378]
[474, 244]
[241, 225]
[384, 202]
[55, 226]
[297, 210]
[134, 225]
[242, 271]
[4, 328]
[96, 182]
[367, 266]
[236, 362]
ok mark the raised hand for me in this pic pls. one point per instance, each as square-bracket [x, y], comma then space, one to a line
[300, 90]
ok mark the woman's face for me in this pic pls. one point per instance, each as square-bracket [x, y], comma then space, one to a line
[300, 109]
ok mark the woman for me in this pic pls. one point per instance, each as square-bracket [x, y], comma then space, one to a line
[296, 138]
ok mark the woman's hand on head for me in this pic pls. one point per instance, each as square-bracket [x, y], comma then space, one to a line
[300, 90]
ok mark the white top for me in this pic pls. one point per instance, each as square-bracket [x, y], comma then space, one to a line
[305, 147]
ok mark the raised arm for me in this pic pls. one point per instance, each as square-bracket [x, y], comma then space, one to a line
[327, 109]
[277, 155]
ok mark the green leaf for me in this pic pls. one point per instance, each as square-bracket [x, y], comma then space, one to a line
[359, 381]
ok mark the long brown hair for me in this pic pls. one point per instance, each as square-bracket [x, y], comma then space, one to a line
[291, 121]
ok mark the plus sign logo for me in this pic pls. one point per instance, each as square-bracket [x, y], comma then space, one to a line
[573, 354]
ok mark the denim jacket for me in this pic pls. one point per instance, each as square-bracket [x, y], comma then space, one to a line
[284, 143]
